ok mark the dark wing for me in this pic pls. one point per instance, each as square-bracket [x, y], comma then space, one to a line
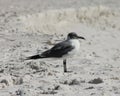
[59, 49]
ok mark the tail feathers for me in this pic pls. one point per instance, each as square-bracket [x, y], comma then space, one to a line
[34, 57]
[45, 54]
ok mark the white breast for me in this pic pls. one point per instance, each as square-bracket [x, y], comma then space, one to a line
[76, 45]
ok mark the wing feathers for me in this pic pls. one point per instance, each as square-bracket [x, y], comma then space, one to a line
[58, 50]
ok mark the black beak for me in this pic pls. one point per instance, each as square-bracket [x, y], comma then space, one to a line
[79, 37]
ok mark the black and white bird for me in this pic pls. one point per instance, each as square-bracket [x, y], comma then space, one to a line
[65, 49]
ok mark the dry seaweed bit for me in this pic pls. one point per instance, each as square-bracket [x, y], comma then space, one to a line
[96, 81]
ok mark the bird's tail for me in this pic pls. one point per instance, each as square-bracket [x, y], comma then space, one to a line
[45, 54]
[34, 57]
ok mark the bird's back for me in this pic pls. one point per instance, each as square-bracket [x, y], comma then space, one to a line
[59, 49]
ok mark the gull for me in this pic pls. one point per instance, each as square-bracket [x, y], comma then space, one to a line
[65, 49]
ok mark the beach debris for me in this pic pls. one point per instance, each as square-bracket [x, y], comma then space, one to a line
[71, 82]
[96, 81]
[91, 87]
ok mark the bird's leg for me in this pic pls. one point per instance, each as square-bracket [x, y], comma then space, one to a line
[64, 65]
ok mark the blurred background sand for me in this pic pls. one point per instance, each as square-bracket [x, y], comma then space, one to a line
[29, 27]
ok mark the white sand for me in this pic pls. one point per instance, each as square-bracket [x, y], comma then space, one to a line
[28, 27]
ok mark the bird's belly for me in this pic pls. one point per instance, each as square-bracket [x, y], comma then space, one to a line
[71, 54]
[74, 51]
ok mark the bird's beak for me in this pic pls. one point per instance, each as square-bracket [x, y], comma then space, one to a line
[79, 37]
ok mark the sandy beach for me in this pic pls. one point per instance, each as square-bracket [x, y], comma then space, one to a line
[28, 27]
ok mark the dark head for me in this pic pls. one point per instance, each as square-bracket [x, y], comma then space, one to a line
[73, 35]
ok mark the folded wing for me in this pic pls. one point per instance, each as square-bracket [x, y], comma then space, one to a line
[58, 50]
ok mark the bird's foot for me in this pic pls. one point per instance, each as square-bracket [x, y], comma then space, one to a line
[68, 71]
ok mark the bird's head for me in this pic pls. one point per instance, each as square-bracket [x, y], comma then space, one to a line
[73, 35]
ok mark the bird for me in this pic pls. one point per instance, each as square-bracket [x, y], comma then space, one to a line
[65, 49]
